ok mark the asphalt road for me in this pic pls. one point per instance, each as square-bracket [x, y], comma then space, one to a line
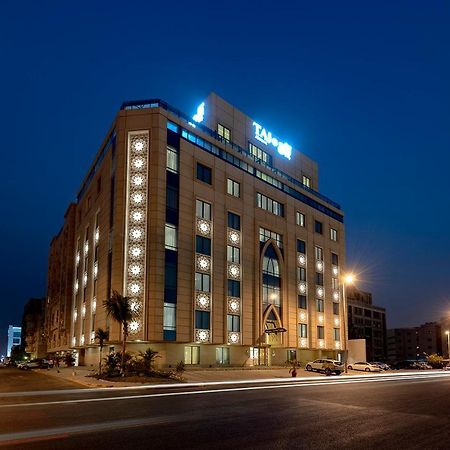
[400, 412]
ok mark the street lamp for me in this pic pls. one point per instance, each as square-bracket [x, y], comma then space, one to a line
[347, 279]
[448, 344]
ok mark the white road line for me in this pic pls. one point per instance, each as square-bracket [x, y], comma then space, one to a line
[215, 383]
[228, 390]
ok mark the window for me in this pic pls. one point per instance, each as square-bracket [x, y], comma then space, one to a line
[203, 245]
[319, 253]
[203, 210]
[333, 234]
[233, 188]
[319, 279]
[303, 330]
[172, 160]
[269, 204]
[233, 254]
[301, 274]
[233, 322]
[306, 181]
[259, 154]
[234, 288]
[301, 246]
[318, 227]
[300, 219]
[192, 355]
[234, 221]
[334, 283]
[169, 320]
[334, 259]
[224, 132]
[301, 301]
[171, 237]
[265, 235]
[202, 320]
[336, 334]
[320, 332]
[202, 282]
[204, 173]
[223, 356]
[319, 305]
[335, 308]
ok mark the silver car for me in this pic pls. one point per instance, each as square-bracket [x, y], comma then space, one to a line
[326, 366]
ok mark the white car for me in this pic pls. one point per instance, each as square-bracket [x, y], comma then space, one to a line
[364, 366]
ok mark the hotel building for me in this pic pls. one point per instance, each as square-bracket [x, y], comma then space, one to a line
[214, 228]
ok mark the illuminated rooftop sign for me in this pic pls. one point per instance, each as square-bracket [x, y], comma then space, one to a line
[266, 137]
[200, 114]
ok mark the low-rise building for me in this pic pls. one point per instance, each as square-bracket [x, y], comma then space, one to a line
[367, 321]
[414, 342]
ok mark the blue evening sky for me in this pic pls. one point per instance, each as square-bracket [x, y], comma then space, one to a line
[361, 87]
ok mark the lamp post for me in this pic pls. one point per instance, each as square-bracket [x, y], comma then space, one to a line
[346, 279]
[448, 344]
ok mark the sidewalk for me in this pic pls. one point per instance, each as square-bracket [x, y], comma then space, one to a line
[81, 374]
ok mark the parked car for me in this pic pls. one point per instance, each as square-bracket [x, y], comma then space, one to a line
[38, 363]
[364, 366]
[423, 365]
[408, 365]
[382, 366]
[326, 366]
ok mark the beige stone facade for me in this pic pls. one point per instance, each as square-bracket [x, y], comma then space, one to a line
[227, 251]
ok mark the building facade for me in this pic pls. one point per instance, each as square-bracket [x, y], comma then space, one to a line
[367, 321]
[216, 231]
[414, 343]
[58, 317]
[14, 338]
[34, 340]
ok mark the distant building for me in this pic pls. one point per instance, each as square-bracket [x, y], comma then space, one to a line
[33, 327]
[367, 321]
[445, 328]
[14, 338]
[58, 309]
[414, 342]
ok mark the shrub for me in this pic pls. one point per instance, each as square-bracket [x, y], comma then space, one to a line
[435, 361]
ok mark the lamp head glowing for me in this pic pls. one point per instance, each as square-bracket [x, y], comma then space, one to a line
[447, 332]
[349, 278]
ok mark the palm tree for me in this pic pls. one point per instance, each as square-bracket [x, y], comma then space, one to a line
[101, 335]
[119, 308]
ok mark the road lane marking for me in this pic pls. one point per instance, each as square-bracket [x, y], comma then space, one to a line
[238, 389]
[216, 383]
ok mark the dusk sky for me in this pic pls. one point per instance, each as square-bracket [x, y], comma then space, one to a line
[363, 90]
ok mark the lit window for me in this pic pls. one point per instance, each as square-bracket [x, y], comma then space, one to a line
[172, 159]
[303, 330]
[233, 254]
[319, 253]
[224, 132]
[192, 355]
[265, 235]
[259, 154]
[319, 305]
[233, 322]
[169, 321]
[337, 334]
[203, 210]
[300, 219]
[269, 204]
[306, 181]
[171, 237]
[202, 282]
[333, 234]
[233, 188]
[301, 274]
